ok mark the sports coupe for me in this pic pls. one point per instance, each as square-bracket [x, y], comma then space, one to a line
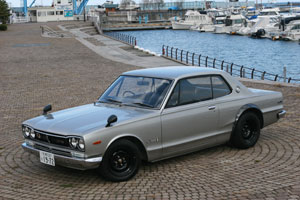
[152, 114]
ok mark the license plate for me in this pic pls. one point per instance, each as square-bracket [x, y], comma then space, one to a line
[47, 158]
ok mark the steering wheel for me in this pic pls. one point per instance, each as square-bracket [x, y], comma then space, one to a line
[130, 92]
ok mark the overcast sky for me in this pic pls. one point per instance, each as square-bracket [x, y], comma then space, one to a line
[17, 3]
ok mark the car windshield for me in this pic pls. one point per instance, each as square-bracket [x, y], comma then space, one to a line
[137, 91]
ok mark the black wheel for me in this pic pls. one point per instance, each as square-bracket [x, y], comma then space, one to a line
[121, 161]
[246, 132]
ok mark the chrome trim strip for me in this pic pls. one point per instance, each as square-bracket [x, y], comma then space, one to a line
[55, 135]
[281, 114]
[71, 162]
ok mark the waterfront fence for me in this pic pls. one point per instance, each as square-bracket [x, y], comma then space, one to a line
[194, 59]
[128, 39]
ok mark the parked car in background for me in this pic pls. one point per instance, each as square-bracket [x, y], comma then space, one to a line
[152, 114]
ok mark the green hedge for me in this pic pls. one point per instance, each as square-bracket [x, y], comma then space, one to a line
[3, 27]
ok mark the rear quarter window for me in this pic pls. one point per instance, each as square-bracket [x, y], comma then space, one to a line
[220, 87]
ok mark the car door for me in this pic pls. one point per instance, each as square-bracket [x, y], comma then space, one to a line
[228, 105]
[190, 117]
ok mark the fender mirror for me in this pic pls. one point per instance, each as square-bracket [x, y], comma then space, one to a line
[46, 109]
[111, 119]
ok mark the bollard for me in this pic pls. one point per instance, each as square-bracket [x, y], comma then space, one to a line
[167, 51]
[199, 60]
[284, 74]
[263, 75]
[193, 58]
[222, 65]
[181, 55]
[214, 62]
[252, 73]
[187, 57]
[241, 71]
[206, 61]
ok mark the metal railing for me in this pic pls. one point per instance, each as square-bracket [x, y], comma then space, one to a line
[128, 39]
[194, 59]
[47, 31]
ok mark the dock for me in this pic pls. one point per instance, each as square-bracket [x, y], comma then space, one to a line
[136, 26]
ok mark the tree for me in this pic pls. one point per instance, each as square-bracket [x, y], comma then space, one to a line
[4, 12]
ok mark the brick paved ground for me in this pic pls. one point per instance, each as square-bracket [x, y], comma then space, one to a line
[65, 73]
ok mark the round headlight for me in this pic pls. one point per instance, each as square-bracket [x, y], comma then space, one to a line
[73, 142]
[27, 131]
[32, 133]
[81, 144]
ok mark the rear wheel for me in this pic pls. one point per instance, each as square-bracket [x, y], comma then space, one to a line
[121, 161]
[247, 131]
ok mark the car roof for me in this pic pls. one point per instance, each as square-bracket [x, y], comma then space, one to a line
[172, 72]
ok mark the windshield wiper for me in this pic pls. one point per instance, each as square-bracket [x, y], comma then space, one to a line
[143, 104]
[109, 100]
[112, 100]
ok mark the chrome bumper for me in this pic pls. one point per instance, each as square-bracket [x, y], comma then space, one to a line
[71, 162]
[281, 114]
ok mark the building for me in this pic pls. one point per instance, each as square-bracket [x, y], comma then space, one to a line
[61, 10]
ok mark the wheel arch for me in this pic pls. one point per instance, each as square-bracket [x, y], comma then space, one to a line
[137, 141]
[250, 108]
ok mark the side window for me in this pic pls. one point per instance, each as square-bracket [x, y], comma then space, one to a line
[220, 87]
[194, 90]
[191, 90]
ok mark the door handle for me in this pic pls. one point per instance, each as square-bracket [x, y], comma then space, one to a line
[211, 107]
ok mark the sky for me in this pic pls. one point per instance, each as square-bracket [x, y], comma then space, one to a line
[17, 3]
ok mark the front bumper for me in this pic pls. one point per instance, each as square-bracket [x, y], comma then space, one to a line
[71, 162]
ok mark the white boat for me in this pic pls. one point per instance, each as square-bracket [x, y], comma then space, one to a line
[269, 12]
[233, 23]
[192, 18]
[218, 22]
[291, 30]
[264, 26]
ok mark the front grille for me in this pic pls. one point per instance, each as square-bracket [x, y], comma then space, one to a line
[52, 150]
[52, 138]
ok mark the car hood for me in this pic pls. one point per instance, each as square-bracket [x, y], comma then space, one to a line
[84, 119]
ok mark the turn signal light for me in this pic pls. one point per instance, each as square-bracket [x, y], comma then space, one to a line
[97, 142]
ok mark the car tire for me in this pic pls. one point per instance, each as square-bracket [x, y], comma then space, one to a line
[246, 131]
[121, 161]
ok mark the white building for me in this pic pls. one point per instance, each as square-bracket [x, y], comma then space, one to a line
[61, 10]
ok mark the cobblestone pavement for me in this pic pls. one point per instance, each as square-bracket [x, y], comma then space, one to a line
[36, 71]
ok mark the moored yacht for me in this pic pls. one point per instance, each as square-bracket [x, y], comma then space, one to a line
[233, 23]
[192, 18]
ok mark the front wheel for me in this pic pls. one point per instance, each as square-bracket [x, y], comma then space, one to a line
[121, 161]
[246, 131]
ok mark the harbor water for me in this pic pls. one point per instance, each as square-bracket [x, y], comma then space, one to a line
[262, 54]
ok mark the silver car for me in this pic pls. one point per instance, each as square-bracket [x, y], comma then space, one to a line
[152, 114]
